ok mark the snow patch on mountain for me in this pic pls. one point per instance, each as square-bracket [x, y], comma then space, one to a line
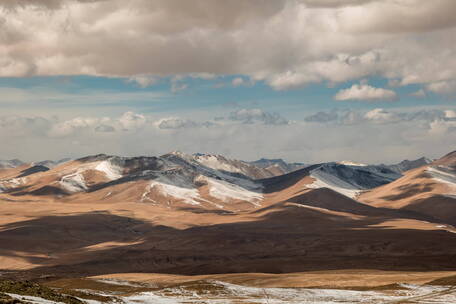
[350, 180]
[13, 163]
[11, 183]
[350, 163]
[74, 182]
[224, 191]
[445, 175]
[177, 187]
[326, 180]
[217, 162]
[111, 170]
[406, 165]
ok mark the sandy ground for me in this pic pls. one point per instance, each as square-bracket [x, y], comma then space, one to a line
[323, 279]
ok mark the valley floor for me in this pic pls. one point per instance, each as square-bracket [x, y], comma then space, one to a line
[347, 286]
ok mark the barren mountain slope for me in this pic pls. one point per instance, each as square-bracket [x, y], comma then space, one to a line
[171, 214]
[430, 190]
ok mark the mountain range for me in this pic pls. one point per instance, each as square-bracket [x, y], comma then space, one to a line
[199, 214]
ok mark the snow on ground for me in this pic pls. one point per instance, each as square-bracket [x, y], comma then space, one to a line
[119, 282]
[241, 182]
[111, 171]
[350, 163]
[216, 292]
[11, 183]
[326, 180]
[31, 299]
[220, 292]
[74, 182]
[224, 191]
[444, 175]
[178, 187]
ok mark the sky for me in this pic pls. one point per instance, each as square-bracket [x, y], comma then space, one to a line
[304, 80]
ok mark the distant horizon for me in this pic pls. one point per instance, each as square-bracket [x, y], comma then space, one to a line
[63, 159]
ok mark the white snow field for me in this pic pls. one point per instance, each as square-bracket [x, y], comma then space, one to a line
[444, 175]
[326, 180]
[216, 292]
[224, 191]
[74, 182]
[111, 171]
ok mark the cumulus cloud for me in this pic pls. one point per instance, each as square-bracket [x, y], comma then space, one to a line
[450, 114]
[250, 116]
[388, 135]
[143, 81]
[322, 117]
[380, 116]
[419, 93]
[238, 81]
[129, 121]
[78, 124]
[410, 41]
[18, 126]
[176, 123]
[442, 87]
[104, 128]
[365, 92]
[132, 121]
[442, 127]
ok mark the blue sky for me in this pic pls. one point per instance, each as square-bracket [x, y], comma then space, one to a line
[211, 96]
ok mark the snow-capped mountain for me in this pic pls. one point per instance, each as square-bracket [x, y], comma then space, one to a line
[13, 163]
[173, 178]
[193, 179]
[51, 163]
[351, 179]
[176, 211]
[219, 162]
[428, 189]
[277, 166]
[406, 165]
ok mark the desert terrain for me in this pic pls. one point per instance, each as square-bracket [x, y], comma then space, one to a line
[173, 221]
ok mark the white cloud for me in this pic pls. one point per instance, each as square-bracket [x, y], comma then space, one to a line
[442, 87]
[365, 92]
[25, 126]
[387, 136]
[322, 117]
[175, 123]
[78, 124]
[143, 81]
[442, 127]
[238, 81]
[382, 116]
[250, 116]
[132, 121]
[450, 114]
[419, 94]
[409, 41]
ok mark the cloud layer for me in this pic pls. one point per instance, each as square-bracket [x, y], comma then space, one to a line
[377, 135]
[286, 43]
